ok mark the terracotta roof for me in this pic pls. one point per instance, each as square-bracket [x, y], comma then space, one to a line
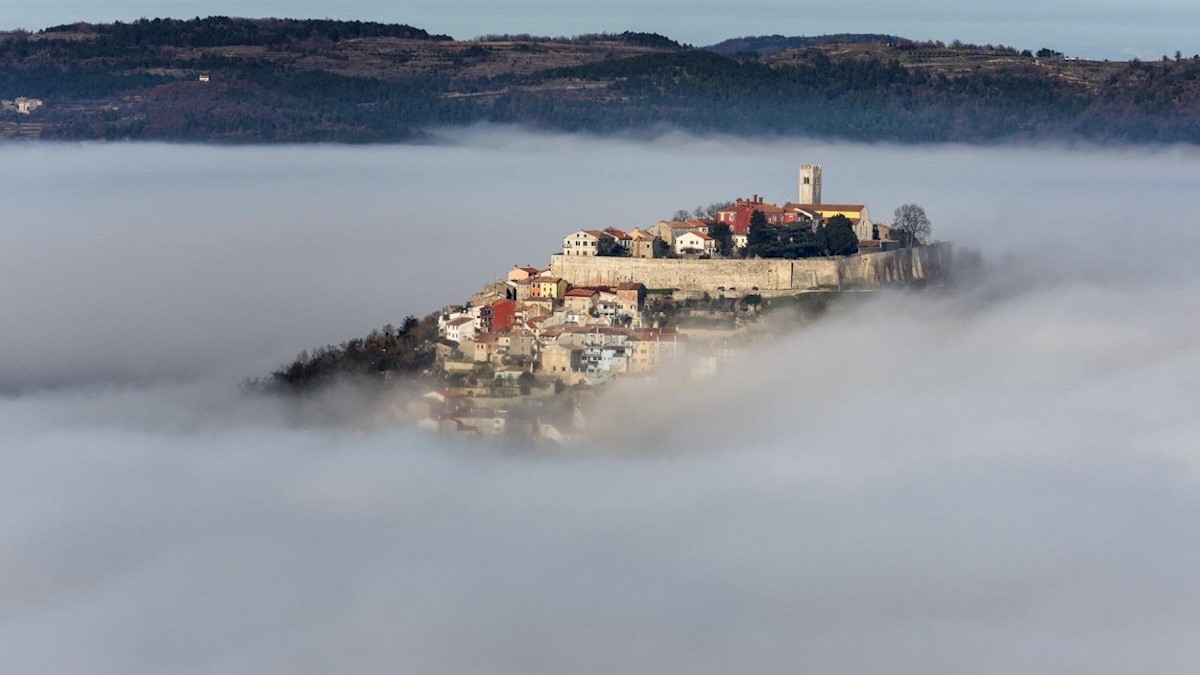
[630, 286]
[685, 224]
[573, 348]
[596, 233]
[825, 207]
[659, 337]
[668, 330]
[746, 205]
[767, 208]
[460, 321]
[474, 413]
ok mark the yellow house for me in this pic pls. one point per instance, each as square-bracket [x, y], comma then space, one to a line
[856, 213]
[548, 287]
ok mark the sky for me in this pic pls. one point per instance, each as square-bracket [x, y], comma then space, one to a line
[997, 478]
[1097, 29]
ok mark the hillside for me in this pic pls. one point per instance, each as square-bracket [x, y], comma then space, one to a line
[283, 80]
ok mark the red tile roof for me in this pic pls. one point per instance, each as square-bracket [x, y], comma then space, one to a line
[825, 207]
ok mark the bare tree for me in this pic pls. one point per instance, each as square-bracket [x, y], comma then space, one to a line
[711, 210]
[910, 224]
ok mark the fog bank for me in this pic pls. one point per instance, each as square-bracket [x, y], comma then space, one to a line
[132, 263]
[997, 479]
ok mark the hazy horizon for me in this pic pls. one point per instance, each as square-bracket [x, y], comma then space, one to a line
[998, 479]
[1106, 29]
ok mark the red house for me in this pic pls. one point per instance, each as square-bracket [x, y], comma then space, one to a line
[737, 217]
[504, 313]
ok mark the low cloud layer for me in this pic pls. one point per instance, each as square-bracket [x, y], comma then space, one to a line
[998, 479]
[132, 263]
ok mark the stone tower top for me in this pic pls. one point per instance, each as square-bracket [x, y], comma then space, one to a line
[810, 183]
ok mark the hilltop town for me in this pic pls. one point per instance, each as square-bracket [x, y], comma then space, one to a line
[684, 295]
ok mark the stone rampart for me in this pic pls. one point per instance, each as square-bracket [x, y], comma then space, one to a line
[868, 269]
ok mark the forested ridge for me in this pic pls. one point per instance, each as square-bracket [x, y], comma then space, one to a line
[284, 80]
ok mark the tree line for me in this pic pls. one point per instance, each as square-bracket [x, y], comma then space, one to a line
[406, 349]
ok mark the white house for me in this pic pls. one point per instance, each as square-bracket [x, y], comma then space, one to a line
[693, 241]
[588, 242]
[462, 328]
[26, 106]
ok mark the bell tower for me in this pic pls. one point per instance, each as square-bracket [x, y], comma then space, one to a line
[810, 183]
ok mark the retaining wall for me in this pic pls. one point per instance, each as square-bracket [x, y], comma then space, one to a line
[928, 263]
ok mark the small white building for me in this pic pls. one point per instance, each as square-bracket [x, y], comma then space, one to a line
[589, 242]
[693, 241]
[462, 328]
[26, 106]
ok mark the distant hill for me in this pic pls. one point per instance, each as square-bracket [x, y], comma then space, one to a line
[223, 79]
[223, 30]
[765, 45]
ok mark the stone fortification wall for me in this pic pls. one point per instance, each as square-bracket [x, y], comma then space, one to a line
[869, 269]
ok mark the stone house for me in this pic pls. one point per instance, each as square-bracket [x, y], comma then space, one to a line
[517, 343]
[581, 300]
[643, 244]
[649, 348]
[560, 359]
[485, 347]
[631, 297]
